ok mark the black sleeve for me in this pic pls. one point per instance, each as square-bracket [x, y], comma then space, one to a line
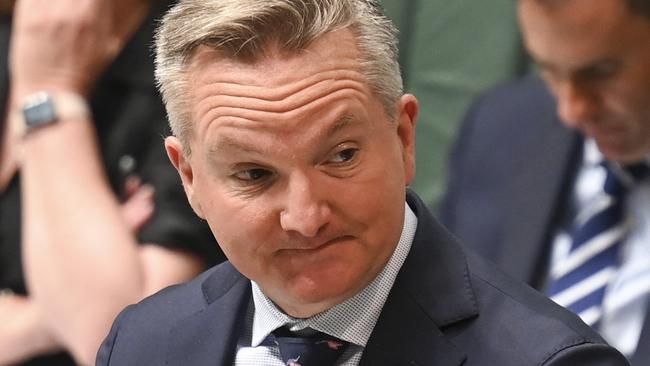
[131, 123]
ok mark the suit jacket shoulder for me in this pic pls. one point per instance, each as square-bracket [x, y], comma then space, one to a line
[190, 324]
[449, 307]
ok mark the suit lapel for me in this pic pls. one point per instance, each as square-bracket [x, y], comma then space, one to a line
[431, 292]
[538, 189]
[209, 336]
[404, 335]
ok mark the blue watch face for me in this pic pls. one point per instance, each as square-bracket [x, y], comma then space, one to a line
[39, 112]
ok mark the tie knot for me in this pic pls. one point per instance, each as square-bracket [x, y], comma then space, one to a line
[318, 349]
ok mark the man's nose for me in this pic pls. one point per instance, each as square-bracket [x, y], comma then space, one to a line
[576, 104]
[306, 209]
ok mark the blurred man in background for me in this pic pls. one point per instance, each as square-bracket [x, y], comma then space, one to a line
[550, 180]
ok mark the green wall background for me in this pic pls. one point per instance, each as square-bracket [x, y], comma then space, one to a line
[450, 51]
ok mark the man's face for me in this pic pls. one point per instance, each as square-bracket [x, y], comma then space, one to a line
[595, 57]
[298, 170]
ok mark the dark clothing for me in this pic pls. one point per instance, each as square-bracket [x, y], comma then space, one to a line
[131, 122]
[447, 307]
[510, 176]
[512, 172]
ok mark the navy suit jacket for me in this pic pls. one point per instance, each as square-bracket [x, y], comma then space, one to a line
[446, 308]
[511, 173]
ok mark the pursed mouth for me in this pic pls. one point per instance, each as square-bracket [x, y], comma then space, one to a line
[318, 245]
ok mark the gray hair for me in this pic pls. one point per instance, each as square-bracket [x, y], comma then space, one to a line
[244, 29]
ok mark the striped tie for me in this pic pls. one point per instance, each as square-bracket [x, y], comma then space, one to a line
[579, 281]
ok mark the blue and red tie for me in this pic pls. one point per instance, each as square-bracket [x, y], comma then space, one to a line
[318, 349]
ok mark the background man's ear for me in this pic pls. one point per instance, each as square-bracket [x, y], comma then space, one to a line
[184, 168]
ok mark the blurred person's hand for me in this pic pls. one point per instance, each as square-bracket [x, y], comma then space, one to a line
[61, 45]
[139, 205]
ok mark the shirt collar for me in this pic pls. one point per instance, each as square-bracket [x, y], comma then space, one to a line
[354, 319]
[592, 156]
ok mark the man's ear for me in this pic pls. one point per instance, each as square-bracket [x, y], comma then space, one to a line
[184, 167]
[407, 114]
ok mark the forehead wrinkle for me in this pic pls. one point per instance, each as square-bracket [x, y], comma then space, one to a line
[258, 83]
[211, 107]
[253, 118]
[280, 98]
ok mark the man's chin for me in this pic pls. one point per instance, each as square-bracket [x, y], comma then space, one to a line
[621, 153]
[302, 306]
[315, 296]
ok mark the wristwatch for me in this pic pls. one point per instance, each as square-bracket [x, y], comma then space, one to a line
[43, 109]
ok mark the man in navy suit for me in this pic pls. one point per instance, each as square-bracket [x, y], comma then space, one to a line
[532, 155]
[294, 141]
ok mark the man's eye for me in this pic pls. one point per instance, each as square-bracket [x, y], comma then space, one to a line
[601, 71]
[252, 175]
[344, 156]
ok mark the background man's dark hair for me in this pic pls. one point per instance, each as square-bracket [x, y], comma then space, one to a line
[6, 6]
[642, 7]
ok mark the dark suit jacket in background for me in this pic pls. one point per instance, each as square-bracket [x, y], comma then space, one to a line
[445, 309]
[511, 173]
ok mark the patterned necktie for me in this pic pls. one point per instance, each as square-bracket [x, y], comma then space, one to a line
[318, 349]
[579, 281]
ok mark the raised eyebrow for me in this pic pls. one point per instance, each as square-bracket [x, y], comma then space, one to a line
[340, 124]
[226, 143]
